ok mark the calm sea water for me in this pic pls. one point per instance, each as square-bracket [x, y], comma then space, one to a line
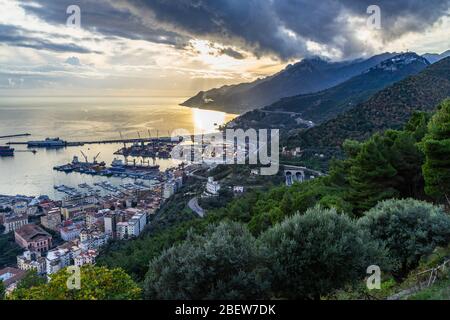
[83, 119]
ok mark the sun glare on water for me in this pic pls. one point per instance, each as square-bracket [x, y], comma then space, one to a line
[207, 121]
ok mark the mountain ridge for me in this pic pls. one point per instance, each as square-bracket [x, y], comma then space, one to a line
[324, 105]
[307, 76]
[390, 108]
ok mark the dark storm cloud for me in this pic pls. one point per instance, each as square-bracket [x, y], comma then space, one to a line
[281, 27]
[101, 16]
[14, 36]
[232, 53]
[275, 27]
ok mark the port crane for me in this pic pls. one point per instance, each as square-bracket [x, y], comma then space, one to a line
[84, 156]
[95, 158]
[125, 152]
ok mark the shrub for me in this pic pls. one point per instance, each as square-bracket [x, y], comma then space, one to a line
[223, 264]
[410, 229]
[318, 252]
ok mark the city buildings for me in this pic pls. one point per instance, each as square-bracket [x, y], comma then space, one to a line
[31, 261]
[71, 230]
[14, 222]
[52, 220]
[92, 239]
[84, 258]
[33, 238]
[10, 277]
[170, 187]
[70, 211]
[110, 223]
[57, 259]
[132, 227]
[85, 222]
[212, 187]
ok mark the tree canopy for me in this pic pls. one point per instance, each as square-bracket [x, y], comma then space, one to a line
[318, 252]
[409, 228]
[225, 263]
[436, 146]
[97, 283]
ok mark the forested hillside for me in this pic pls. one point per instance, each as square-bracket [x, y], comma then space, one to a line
[389, 109]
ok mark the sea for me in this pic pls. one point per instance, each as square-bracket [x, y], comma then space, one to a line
[86, 119]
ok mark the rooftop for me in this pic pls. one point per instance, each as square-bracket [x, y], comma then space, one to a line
[11, 275]
[30, 232]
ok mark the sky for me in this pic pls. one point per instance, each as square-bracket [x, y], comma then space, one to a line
[179, 47]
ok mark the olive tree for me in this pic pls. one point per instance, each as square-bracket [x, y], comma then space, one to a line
[225, 263]
[319, 252]
[409, 229]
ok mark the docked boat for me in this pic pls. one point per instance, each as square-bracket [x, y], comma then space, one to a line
[48, 143]
[118, 165]
[6, 151]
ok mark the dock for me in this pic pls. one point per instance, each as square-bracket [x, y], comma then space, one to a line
[113, 141]
[16, 135]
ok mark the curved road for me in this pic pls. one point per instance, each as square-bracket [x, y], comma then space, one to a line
[194, 206]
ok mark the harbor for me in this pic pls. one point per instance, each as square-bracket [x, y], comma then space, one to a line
[59, 143]
[95, 125]
[118, 169]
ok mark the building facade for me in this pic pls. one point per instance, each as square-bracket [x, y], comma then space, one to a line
[14, 222]
[33, 238]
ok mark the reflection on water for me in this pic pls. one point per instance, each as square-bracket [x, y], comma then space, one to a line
[81, 119]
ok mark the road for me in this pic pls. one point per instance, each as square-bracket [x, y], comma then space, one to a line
[194, 206]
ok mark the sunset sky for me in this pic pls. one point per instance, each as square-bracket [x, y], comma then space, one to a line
[178, 47]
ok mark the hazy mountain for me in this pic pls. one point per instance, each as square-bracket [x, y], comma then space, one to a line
[435, 57]
[307, 76]
[390, 108]
[325, 105]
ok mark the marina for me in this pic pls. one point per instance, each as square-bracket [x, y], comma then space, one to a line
[118, 168]
[104, 188]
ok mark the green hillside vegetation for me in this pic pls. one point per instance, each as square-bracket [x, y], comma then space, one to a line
[311, 241]
[327, 104]
[388, 109]
[96, 283]
[9, 249]
[385, 167]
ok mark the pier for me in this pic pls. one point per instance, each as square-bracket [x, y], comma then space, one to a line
[16, 135]
[113, 141]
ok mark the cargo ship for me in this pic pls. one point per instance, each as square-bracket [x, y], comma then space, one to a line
[6, 151]
[48, 143]
[118, 164]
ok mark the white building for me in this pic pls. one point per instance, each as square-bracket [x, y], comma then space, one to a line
[122, 230]
[133, 227]
[170, 187]
[71, 232]
[90, 240]
[56, 260]
[110, 223]
[238, 189]
[32, 261]
[15, 222]
[20, 207]
[84, 258]
[212, 187]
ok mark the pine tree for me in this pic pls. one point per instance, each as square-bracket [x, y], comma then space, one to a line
[436, 146]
